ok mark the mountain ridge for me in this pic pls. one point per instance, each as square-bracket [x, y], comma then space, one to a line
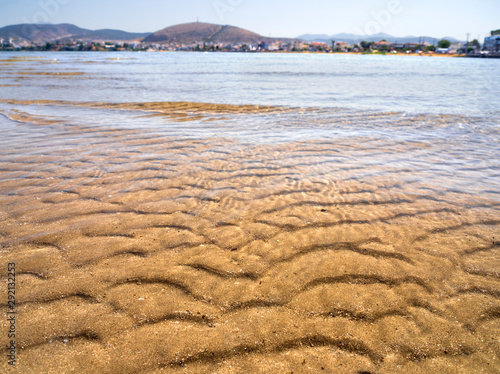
[44, 33]
[355, 38]
[185, 33]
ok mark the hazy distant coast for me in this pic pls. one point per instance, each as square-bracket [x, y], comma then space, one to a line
[207, 37]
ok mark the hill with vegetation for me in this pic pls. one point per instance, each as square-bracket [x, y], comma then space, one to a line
[188, 33]
[44, 33]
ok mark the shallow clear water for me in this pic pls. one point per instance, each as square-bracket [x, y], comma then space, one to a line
[394, 83]
[432, 117]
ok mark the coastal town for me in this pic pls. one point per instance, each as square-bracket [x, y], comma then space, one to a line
[490, 47]
[380, 47]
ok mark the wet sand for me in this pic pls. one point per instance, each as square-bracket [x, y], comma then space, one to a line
[144, 253]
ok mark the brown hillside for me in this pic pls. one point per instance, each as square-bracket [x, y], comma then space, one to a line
[39, 33]
[204, 32]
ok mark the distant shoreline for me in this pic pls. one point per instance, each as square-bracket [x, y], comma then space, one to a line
[264, 52]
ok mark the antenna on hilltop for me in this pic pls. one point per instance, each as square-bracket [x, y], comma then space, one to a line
[197, 20]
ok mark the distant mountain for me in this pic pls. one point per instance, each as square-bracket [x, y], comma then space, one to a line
[110, 34]
[185, 33]
[353, 38]
[39, 32]
[188, 33]
[42, 33]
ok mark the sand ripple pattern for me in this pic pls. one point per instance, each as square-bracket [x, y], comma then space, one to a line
[144, 253]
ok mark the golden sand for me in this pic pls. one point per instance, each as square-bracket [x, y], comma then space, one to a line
[137, 252]
[161, 107]
[61, 74]
[178, 111]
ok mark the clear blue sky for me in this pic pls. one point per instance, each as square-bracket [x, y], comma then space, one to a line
[279, 18]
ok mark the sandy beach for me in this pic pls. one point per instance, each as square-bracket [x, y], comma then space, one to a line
[141, 253]
[148, 233]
